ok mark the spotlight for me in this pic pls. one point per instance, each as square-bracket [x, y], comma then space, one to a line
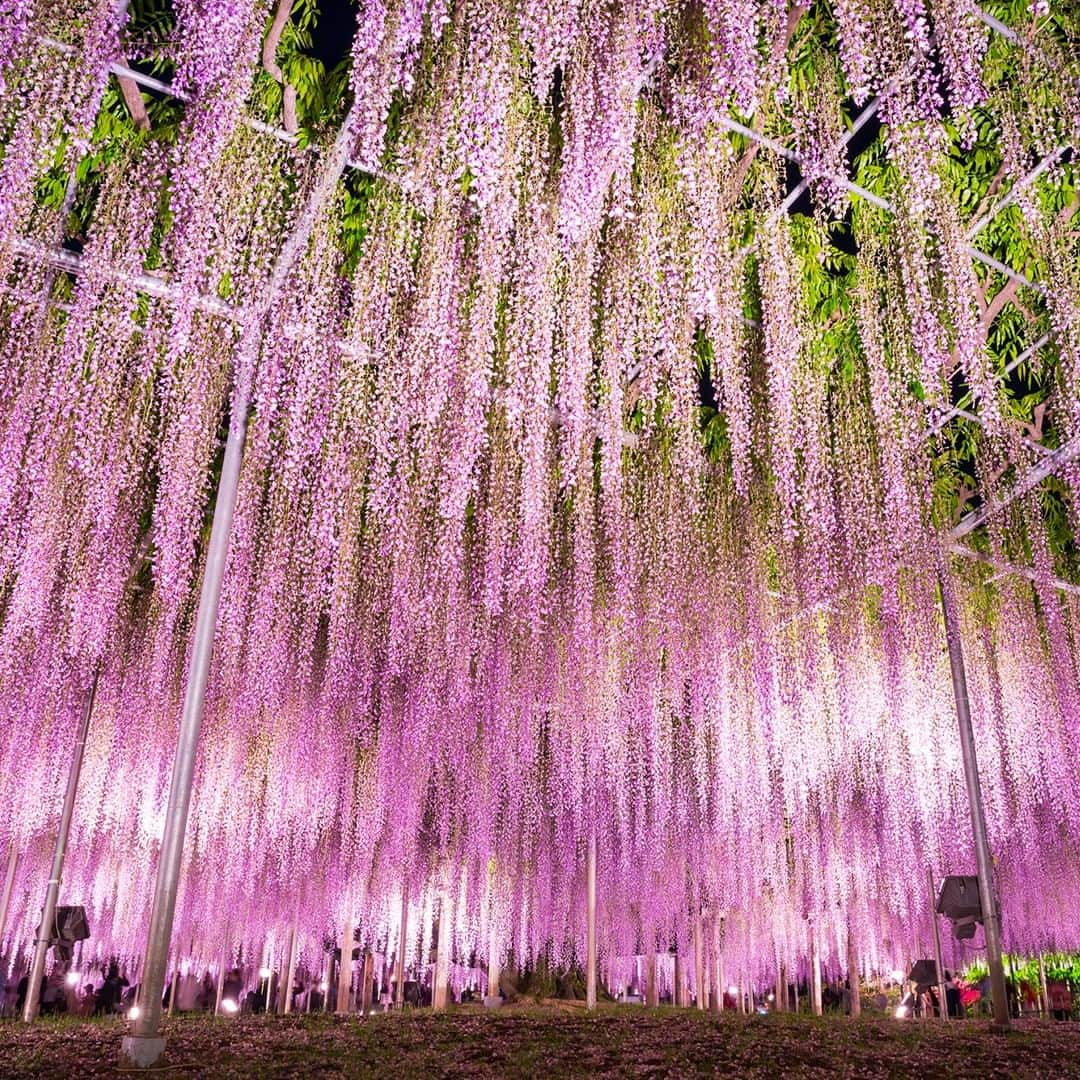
[732, 990]
[134, 1012]
[772, 997]
[901, 1012]
[265, 973]
[323, 986]
[228, 1005]
[72, 978]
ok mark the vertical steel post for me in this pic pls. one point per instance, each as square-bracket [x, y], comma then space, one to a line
[983, 861]
[9, 885]
[815, 970]
[853, 972]
[285, 998]
[144, 1046]
[403, 936]
[345, 972]
[721, 985]
[440, 987]
[944, 1003]
[699, 965]
[590, 923]
[52, 892]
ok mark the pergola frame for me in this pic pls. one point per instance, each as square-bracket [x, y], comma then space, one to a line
[144, 1047]
[158, 286]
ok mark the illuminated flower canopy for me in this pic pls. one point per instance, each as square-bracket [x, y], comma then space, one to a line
[603, 448]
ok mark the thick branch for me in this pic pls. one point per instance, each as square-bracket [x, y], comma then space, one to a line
[134, 102]
[273, 68]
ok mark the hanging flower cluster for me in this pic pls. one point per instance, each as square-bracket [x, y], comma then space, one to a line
[492, 591]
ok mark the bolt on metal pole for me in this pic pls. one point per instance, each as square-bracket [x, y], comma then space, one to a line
[52, 892]
[942, 996]
[983, 861]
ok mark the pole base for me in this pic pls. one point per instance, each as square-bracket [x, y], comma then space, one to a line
[142, 1050]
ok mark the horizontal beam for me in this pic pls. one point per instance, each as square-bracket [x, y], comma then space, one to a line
[941, 421]
[996, 24]
[1032, 478]
[151, 284]
[1031, 444]
[1010, 197]
[1009, 568]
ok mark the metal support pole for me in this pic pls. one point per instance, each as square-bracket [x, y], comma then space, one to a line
[815, 971]
[403, 935]
[678, 994]
[699, 966]
[174, 986]
[144, 1046]
[853, 973]
[494, 963]
[942, 997]
[721, 985]
[590, 923]
[345, 972]
[652, 997]
[983, 860]
[9, 885]
[220, 983]
[285, 1003]
[52, 892]
[1044, 995]
[440, 980]
[711, 989]
[367, 972]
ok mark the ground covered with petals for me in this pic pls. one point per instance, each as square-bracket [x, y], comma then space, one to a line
[553, 1043]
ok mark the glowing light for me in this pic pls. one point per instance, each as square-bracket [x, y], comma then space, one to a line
[229, 1005]
[732, 990]
[134, 1012]
[439, 441]
[72, 978]
[901, 1012]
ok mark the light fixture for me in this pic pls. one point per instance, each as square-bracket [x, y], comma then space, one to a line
[732, 990]
[323, 985]
[901, 1012]
[72, 978]
[772, 997]
[134, 1012]
[265, 973]
[229, 1005]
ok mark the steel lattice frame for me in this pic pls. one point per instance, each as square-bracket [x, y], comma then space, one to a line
[59, 258]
